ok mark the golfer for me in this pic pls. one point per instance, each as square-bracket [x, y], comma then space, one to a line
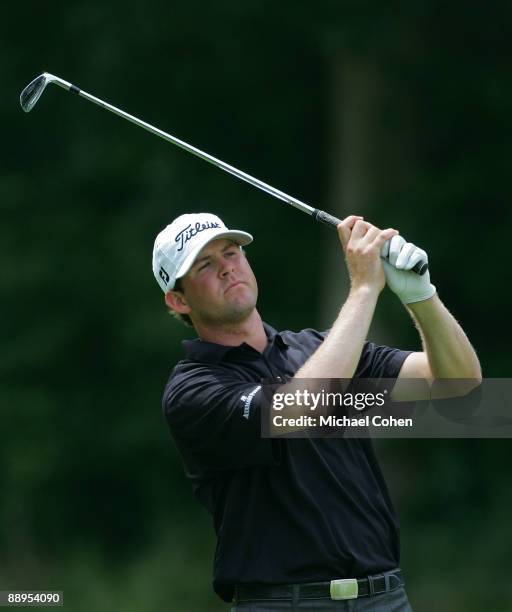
[301, 523]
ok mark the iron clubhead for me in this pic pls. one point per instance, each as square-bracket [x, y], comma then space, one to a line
[33, 91]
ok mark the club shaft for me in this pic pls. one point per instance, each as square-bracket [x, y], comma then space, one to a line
[191, 149]
[318, 215]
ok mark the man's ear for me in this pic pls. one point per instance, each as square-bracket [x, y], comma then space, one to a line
[176, 301]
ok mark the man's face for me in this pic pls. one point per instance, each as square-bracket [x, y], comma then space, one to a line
[220, 287]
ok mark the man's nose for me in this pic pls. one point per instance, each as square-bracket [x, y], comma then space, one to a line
[226, 267]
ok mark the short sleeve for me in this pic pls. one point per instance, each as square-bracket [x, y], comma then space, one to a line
[215, 420]
[380, 361]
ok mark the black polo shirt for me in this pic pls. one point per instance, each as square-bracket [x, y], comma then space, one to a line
[284, 510]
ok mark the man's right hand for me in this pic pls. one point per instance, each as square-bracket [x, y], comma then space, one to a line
[362, 243]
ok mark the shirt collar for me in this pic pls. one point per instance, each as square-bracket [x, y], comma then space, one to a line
[210, 352]
[274, 336]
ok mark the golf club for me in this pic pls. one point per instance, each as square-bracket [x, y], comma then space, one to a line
[33, 91]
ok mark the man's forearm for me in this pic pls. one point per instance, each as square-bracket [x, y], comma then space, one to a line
[339, 353]
[449, 352]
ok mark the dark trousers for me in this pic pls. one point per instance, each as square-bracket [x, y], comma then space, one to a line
[394, 601]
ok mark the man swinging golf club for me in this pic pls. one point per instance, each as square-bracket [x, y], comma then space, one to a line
[301, 522]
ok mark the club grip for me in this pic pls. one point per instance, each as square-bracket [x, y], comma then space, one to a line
[326, 218]
[420, 268]
[320, 215]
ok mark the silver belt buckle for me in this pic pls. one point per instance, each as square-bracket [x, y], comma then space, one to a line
[344, 588]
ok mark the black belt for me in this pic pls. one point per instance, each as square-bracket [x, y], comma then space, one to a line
[336, 589]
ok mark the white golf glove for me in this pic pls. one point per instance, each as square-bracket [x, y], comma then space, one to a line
[399, 257]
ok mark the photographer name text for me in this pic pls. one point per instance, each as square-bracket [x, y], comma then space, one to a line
[343, 421]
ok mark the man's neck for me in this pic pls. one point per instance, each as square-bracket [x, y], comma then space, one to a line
[250, 331]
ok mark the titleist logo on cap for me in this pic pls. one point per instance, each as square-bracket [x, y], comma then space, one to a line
[189, 232]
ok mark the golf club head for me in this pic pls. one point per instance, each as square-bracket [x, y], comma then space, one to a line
[33, 91]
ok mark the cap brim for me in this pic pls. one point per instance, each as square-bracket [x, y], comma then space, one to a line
[241, 238]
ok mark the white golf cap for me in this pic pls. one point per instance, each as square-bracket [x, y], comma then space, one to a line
[178, 245]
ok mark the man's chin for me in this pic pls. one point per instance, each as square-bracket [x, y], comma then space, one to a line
[237, 313]
[231, 314]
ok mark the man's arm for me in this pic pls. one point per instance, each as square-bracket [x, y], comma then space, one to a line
[339, 354]
[447, 352]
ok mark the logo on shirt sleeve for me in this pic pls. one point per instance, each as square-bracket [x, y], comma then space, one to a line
[247, 399]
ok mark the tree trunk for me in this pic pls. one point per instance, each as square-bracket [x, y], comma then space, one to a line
[353, 104]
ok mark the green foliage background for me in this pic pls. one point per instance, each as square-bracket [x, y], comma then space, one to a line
[93, 498]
